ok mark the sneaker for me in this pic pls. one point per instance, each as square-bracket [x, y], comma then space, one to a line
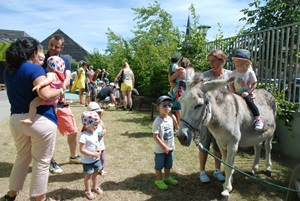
[203, 177]
[218, 175]
[161, 185]
[54, 168]
[77, 159]
[258, 124]
[171, 181]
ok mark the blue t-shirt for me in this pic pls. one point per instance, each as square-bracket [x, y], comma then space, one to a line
[19, 90]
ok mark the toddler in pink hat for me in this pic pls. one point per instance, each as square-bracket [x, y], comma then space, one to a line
[90, 148]
[55, 78]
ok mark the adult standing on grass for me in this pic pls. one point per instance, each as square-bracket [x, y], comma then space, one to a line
[66, 121]
[81, 83]
[127, 85]
[163, 134]
[34, 142]
[217, 60]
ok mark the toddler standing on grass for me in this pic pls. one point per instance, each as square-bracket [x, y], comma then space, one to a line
[101, 131]
[90, 148]
[163, 135]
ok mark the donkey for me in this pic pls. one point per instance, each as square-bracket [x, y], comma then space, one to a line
[228, 119]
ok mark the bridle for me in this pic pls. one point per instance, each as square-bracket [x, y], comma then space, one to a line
[195, 130]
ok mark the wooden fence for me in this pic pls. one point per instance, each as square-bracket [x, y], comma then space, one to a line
[274, 53]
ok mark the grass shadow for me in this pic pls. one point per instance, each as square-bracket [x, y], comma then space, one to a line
[137, 135]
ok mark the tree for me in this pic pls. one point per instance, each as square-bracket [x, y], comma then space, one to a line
[194, 41]
[273, 13]
[155, 42]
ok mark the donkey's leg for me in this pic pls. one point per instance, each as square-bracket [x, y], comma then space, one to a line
[257, 151]
[231, 152]
[268, 147]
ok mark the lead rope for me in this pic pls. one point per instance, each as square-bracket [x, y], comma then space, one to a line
[201, 148]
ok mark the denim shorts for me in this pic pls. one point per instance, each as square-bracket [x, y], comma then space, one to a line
[107, 99]
[91, 167]
[163, 160]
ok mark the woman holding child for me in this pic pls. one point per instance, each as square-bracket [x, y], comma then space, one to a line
[34, 142]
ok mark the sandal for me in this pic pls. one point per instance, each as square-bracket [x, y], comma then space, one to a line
[8, 198]
[89, 195]
[98, 190]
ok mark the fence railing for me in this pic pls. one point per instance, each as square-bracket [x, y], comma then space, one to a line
[274, 54]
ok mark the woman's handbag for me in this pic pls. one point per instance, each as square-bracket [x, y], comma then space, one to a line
[120, 78]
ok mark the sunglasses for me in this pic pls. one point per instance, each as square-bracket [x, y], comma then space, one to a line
[164, 105]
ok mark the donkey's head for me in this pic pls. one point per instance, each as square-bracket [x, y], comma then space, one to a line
[196, 106]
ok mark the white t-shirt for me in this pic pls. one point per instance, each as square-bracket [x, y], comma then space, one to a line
[243, 81]
[100, 137]
[91, 144]
[164, 129]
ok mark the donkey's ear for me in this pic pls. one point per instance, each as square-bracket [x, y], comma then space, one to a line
[215, 84]
[190, 72]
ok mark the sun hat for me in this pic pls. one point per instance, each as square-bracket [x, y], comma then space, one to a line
[58, 65]
[89, 118]
[163, 98]
[241, 54]
[94, 106]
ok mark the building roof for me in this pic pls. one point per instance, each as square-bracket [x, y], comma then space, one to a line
[71, 47]
[11, 35]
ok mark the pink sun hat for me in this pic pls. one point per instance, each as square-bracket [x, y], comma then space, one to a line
[89, 118]
[58, 65]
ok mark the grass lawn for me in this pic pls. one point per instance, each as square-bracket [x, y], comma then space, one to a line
[129, 149]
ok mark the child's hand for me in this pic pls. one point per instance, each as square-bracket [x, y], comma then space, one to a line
[245, 94]
[37, 88]
[168, 150]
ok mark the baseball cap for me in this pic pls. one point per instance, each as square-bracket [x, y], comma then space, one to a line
[93, 106]
[58, 65]
[112, 84]
[163, 98]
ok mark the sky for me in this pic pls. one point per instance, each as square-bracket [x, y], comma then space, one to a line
[87, 21]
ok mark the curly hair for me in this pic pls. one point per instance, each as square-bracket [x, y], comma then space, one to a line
[20, 51]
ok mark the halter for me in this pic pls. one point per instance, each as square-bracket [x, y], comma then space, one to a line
[195, 130]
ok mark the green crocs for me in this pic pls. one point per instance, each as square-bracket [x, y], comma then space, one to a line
[171, 181]
[161, 185]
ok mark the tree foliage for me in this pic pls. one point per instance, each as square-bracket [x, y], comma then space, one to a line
[265, 14]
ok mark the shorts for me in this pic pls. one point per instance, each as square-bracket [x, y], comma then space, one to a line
[105, 100]
[91, 167]
[126, 86]
[66, 121]
[206, 138]
[163, 160]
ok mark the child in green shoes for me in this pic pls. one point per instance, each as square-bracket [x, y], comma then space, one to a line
[163, 134]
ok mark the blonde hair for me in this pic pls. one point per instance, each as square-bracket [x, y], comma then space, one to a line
[247, 62]
[126, 65]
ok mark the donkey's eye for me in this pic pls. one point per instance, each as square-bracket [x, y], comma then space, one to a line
[197, 106]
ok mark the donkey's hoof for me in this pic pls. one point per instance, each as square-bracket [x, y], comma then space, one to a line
[225, 193]
[268, 173]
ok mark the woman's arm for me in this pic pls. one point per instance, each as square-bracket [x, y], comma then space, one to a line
[133, 79]
[50, 78]
[116, 79]
[46, 92]
[174, 76]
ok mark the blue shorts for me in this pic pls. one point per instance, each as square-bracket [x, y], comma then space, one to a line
[206, 138]
[91, 167]
[163, 160]
[107, 99]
